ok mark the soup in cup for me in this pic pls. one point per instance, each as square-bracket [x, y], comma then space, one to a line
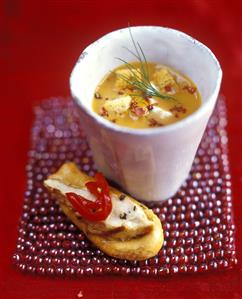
[150, 163]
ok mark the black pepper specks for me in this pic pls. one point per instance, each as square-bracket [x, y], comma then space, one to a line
[122, 197]
[123, 216]
[134, 208]
[97, 95]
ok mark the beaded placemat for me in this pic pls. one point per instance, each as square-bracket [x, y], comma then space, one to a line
[197, 221]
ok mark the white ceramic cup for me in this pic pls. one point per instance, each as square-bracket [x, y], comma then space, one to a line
[150, 164]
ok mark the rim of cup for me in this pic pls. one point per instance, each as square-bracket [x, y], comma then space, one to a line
[148, 131]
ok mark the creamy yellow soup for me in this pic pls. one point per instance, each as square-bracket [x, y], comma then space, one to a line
[135, 97]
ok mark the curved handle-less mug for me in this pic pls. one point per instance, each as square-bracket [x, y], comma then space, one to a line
[150, 164]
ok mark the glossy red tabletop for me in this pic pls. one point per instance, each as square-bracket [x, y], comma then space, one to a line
[39, 44]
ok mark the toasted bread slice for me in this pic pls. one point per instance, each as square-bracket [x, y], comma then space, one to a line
[137, 237]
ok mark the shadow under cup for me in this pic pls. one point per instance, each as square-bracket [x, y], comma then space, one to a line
[150, 164]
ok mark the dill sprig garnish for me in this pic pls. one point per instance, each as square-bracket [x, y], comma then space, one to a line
[140, 78]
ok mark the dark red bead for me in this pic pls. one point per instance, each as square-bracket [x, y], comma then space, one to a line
[69, 271]
[106, 269]
[170, 251]
[40, 270]
[56, 261]
[162, 259]
[174, 269]
[197, 248]
[75, 261]
[219, 253]
[216, 244]
[212, 265]
[233, 261]
[210, 255]
[172, 242]
[47, 261]
[199, 239]
[59, 271]
[174, 259]
[50, 271]
[16, 258]
[228, 253]
[193, 233]
[201, 257]
[207, 246]
[162, 271]
[86, 260]
[30, 269]
[192, 268]
[22, 267]
[154, 261]
[97, 270]
[183, 259]
[70, 253]
[144, 271]
[193, 258]
[189, 250]
[66, 244]
[189, 242]
[180, 241]
[183, 234]
[153, 271]
[182, 268]
[202, 268]
[116, 270]
[179, 250]
[174, 234]
[137, 270]
[222, 264]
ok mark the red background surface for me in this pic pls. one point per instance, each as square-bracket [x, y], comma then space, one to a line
[39, 44]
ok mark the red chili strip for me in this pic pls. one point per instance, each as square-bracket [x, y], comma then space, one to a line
[97, 210]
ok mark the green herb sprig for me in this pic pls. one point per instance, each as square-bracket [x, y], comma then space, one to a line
[141, 81]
